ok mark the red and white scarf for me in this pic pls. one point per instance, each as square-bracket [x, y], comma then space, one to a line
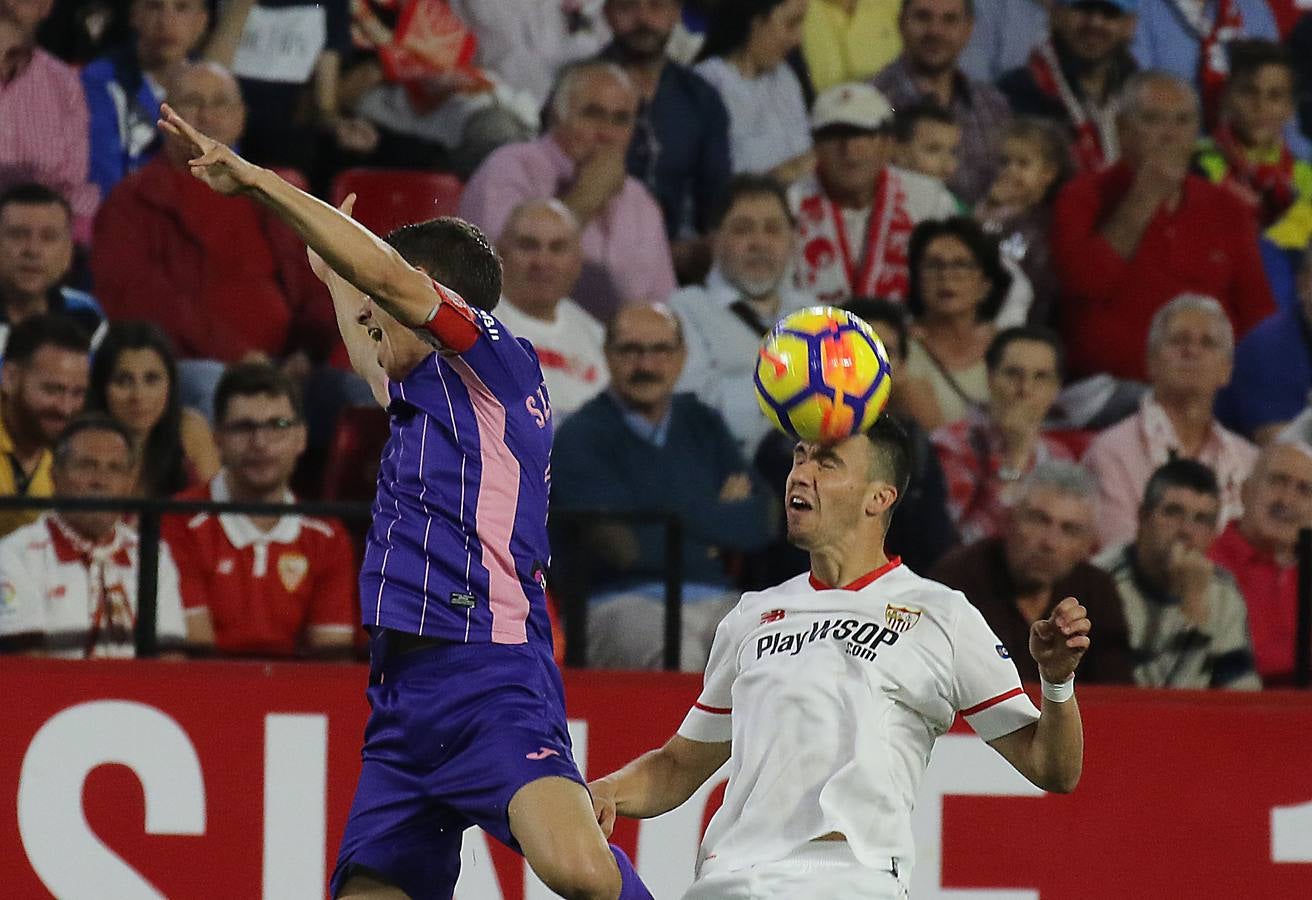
[1269, 186]
[826, 264]
[1213, 36]
[1095, 128]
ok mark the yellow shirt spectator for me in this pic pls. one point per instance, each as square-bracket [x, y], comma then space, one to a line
[14, 481]
[849, 40]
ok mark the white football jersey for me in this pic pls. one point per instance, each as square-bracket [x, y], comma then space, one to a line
[833, 699]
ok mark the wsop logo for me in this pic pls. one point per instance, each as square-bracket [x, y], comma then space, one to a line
[901, 618]
[861, 638]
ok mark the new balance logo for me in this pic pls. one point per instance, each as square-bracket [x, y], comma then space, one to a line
[542, 753]
[773, 615]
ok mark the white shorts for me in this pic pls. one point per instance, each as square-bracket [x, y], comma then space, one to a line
[820, 870]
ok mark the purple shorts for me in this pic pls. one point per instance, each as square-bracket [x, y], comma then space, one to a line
[455, 730]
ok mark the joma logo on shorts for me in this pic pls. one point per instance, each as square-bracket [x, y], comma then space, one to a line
[863, 638]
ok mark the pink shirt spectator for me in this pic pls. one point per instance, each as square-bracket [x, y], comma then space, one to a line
[1124, 457]
[979, 486]
[1271, 592]
[626, 257]
[44, 135]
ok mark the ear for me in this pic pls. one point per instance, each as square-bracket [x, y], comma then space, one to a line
[880, 499]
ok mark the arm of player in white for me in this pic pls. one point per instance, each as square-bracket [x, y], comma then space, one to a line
[1050, 752]
[658, 781]
[366, 261]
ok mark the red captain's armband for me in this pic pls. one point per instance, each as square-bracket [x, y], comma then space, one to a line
[452, 321]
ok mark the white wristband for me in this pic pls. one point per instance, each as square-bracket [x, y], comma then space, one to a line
[1058, 693]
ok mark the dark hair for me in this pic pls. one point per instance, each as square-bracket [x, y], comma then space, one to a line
[892, 446]
[252, 379]
[163, 460]
[1189, 474]
[1249, 55]
[455, 253]
[907, 118]
[968, 5]
[33, 194]
[89, 421]
[982, 247]
[30, 335]
[1053, 143]
[877, 309]
[1038, 334]
[750, 184]
[729, 23]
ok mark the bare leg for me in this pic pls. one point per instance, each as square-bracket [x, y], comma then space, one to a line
[553, 821]
[366, 887]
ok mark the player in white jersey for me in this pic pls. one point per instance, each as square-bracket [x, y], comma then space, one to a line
[826, 700]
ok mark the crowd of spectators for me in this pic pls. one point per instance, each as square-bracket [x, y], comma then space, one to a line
[1082, 227]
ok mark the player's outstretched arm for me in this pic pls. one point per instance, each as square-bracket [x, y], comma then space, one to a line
[363, 259]
[1050, 753]
[656, 782]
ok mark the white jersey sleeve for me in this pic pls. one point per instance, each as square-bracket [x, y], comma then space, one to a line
[22, 586]
[985, 682]
[711, 718]
[170, 626]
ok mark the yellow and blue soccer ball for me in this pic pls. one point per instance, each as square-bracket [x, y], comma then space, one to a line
[822, 375]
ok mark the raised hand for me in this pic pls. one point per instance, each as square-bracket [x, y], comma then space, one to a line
[1059, 642]
[216, 165]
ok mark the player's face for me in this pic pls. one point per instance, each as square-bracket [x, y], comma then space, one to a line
[600, 118]
[1051, 532]
[167, 30]
[934, 32]
[1183, 517]
[1260, 104]
[1193, 356]
[933, 149]
[645, 357]
[94, 464]
[829, 491]
[848, 164]
[952, 281]
[1024, 384]
[260, 440]
[399, 348]
[1278, 498]
[541, 259]
[138, 390]
[44, 394]
[36, 247]
[754, 243]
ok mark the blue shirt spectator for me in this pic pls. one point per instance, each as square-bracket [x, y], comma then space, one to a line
[1165, 40]
[1005, 32]
[123, 105]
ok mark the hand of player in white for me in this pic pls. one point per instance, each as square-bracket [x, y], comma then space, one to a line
[1058, 642]
[603, 805]
[215, 164]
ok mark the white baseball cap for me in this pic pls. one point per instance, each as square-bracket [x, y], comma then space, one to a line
[854, 104]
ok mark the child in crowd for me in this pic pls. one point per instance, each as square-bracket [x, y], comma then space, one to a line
[1035, 163]
[928, 141]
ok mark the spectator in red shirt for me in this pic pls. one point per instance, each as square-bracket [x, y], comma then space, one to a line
[1127, 239]
[986, 454]
[263, 585]
[220, 275]
[1259, 547]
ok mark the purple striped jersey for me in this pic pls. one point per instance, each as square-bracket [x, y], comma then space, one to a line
[458, 545]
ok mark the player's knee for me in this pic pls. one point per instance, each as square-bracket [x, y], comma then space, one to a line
[584, 875]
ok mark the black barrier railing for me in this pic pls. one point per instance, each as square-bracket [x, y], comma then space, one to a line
[149, 512]
[574, 605]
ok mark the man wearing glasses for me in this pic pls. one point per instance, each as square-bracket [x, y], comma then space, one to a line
[262, 585]
[641, 447]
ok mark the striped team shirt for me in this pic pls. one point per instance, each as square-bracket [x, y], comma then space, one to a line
[458, 546]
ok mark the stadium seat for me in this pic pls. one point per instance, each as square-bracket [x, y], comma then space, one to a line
[295, 177]
[351, 471]
[389, 198]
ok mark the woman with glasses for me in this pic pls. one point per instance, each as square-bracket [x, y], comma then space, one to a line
[134, 379]
[957, 286]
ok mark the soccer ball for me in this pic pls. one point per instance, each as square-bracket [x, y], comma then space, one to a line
[822, 375]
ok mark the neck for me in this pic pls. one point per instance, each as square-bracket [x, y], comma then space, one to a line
[13, 40]
[848, 197]
[1094, 81]
[1191, 417]
[767, 305]
[1285, 554]
[93, 530]
[651, 412]
[1033, 602]
[940, 83]
[744, 63]
[161, 72]
[951, 328]
[646, 74]
[19, 305]
[839, 566]
[243, 493]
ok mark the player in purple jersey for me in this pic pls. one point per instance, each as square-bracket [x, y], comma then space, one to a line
[468, 719]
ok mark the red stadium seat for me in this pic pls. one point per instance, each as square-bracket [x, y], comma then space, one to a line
[295, 177]
[351, 471]
[390, 198]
